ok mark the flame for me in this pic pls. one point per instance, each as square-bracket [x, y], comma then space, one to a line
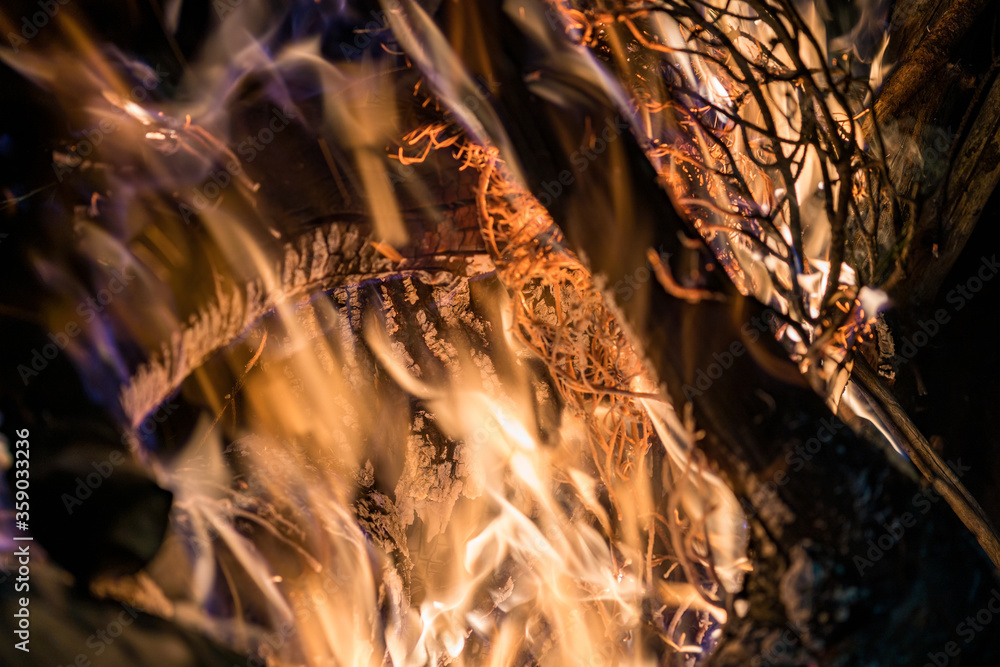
[375, 477]
[745, 131]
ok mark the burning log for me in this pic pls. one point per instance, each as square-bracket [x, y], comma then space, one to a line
[481, 333]
[731, 438]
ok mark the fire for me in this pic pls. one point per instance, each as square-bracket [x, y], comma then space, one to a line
[755, 134]
[429, 437]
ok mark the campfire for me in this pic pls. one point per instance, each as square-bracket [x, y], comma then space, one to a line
[494, 333]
